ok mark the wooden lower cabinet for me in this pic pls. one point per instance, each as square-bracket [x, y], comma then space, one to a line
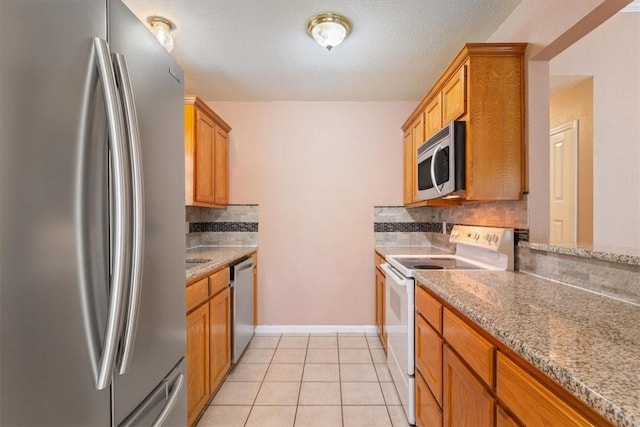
[380, 304]
[503, 419]
[466, 402]
[428, 411]
[429, 356]
[465, 353]
[219, 337]
[198, 389]
[208, 339]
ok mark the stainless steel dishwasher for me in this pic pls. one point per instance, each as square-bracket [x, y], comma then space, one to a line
[242, 297]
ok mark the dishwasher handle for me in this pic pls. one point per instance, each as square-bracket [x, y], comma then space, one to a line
[241, 266]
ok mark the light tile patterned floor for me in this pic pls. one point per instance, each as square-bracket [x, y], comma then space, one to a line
[324, 380]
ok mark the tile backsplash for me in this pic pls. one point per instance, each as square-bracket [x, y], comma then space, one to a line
[398, 226]
[611, 279]
[237, 225]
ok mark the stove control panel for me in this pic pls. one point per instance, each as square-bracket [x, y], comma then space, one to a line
[486, 237]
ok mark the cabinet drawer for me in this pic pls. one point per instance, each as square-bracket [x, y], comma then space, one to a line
[219, 280]
[530, 401]
[430, 308]
[197, 293]
[475, 350]
[428, 412]
[429, 356]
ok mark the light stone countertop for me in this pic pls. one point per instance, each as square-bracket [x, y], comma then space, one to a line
[214, 257]
[603, 253]
[587, 343]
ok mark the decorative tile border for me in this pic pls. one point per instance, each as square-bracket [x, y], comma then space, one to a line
[221, 227]
[407, 227]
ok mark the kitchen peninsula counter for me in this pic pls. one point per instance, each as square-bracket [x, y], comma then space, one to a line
[587, 343]
[214, 257]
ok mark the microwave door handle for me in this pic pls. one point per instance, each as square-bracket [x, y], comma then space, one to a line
[433, 169]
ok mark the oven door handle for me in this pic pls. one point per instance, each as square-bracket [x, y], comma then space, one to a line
[390, 271]
[433, 170]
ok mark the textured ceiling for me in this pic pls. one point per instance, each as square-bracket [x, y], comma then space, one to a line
[258, 50]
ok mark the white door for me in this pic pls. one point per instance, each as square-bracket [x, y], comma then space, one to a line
[563, 191]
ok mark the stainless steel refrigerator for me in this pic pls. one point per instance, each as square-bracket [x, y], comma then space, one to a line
[92, 320]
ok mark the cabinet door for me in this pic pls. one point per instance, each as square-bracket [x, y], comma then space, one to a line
[205, 151]
[220, 336]
[197, 361]
[380, 307]
[466, 402]
[221, 171]
[433, 116]
[408, 168]
[429, 356]
[454, 96]
[255, 289]
[428, 413]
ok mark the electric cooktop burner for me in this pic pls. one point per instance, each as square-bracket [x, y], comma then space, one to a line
[429, 263]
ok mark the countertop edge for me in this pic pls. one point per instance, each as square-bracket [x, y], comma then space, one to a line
[217, 256]
[583, 253]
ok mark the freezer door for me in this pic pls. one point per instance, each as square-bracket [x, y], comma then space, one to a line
[160, 338]
[165, 405]
[51, 324]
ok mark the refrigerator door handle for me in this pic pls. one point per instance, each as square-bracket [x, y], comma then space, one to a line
[121, 214]
[131, 123]
[171, 402]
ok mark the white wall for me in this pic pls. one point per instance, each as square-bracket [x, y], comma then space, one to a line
[549, 26]
[316, 169]
[611, 54]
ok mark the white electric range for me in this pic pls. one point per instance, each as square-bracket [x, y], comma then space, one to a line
[477, 248]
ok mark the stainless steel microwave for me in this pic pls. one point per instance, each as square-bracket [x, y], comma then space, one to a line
[441, 162]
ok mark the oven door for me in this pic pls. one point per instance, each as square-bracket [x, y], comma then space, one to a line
[399, 323]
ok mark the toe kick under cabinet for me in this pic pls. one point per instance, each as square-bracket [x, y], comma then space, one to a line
[466, 377]
[208, 339]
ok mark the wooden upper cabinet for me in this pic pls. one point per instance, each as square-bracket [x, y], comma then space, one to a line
[483, 86]
[433, 116]
[204, 159]
[206, 150]
[221, 170]
[412, 140]
[408, 168]
[454, 96]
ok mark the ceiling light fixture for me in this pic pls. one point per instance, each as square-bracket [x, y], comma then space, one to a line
[161, 28]
[329, 29]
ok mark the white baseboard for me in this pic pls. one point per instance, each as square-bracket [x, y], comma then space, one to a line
[315, 329]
